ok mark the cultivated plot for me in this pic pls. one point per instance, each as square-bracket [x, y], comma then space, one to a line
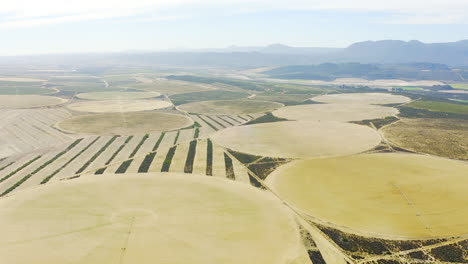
[28, 101]
[362, 98]
[113, 106]
[334, 112]
[436, 136]
[117, 95]
[230, 107]
[298, 139]
[152, 219]
[390, 195]
[124, 123]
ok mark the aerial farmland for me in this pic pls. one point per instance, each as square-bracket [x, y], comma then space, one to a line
[131, 166]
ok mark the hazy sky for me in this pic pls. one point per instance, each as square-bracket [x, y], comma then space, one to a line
[49, 26]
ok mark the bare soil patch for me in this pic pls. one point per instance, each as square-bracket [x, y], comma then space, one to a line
[137, 218]
[124, 123]
[118, 106]
[298, 139]
[387, 195]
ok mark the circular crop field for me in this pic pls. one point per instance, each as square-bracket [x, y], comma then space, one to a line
[230, 107]
[141, 219]
[117, 95]
[437, 136]
[118, 106]
[334, 112]
[298, 139]
[387, 195]
[124, 123]
[362, 98]
[29, 101]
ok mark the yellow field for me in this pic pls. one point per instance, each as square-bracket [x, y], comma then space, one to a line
[117, 95]
[149, 218]
[229, 107]
[118, 106]
[124, 123]
[334, 112]
[28, 101]
[362, 98]
[298, 139]
[440, 137]
[388, 195]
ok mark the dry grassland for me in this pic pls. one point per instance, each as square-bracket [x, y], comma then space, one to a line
[124, 123]
[118, 106]
[298, 139]
[362, 98]
[388, 195]
[334, 112]
[117, 95]
[230, 107]
[142, 219]
[28, 101]
[440, 137]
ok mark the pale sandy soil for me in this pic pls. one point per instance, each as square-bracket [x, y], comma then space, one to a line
[388, 195]
[118, 106]
[298, 139]
[28, 101]
[229, 107]
[362, 98]
[21, 79]
[454, 91]
[117, 95]
[149, 218]
[334, 112]
[124, 123]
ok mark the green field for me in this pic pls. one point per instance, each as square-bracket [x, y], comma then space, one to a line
[463, 86]
[460, 101]
[440, 106]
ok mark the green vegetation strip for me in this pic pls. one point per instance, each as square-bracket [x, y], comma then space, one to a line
[100, 171]
[190, 157]
[168, 160]
[213, 127]
[176, 137]
[45, 180]
[95, 156]
[142, 141]
[197, 133]
[118, 150]
[20, 168]
[456, 108]
[209, 158]
[6, 166]
[214, 120]
[254, 182]
[25, 178]
[145, 165]
[229, 167]
[124, 166]
[156, 146]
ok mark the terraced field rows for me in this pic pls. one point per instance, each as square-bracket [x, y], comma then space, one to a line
[212, 123]
[27, 130]
[204, 158]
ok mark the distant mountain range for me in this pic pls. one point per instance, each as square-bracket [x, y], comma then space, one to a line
[370, 52]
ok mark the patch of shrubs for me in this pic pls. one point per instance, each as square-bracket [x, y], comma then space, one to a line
[190, 157]
[168, 160]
